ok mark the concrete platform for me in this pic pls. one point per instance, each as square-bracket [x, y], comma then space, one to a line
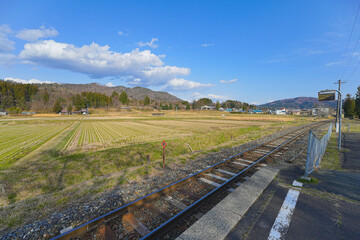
[218, 222]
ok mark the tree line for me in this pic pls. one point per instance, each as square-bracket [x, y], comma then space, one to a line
[16, 95]
[351, 105]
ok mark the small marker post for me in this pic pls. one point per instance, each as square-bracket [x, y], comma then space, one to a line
[164, 144]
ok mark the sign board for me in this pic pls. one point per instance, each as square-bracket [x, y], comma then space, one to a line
[164, 144]
[326, 96]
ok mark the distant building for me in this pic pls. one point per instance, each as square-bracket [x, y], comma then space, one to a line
[320, 112]
[28, 113]
[280, 112]
[294, 111]
[208, 107]
[82, 111]
[257, 111]
[3, 113]
[64, 111]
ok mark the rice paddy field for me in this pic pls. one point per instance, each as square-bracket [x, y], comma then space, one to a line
[46, 156]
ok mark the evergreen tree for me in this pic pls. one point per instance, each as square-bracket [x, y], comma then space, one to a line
[57, 107]
[146, 101]
[357, 103]
[124, 98]
[69, 108]
[187, 107]
[46, 97]
[217, 105]
[114, 94]
[170, 107]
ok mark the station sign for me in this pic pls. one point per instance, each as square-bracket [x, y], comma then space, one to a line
[326, 95]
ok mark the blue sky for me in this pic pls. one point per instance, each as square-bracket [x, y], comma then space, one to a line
[253, 51]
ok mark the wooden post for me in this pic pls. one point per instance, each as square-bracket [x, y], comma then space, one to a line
[148, 159]
[163, 157]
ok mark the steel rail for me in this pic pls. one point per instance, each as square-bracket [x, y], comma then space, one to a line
[163, 228]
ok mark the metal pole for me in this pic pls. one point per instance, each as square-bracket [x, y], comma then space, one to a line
[308, 155]
[340, 110]
[337, 108]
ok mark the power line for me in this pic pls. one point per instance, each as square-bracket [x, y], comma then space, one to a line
[347, 45]
[352, 54]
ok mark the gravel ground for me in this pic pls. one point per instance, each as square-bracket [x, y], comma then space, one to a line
[81, 213]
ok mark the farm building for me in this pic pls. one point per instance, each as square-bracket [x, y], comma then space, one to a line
[82, 111]
[294, 111]
[64, 111]
[280, 111]
[207, 107]
[255, 111]
[321, 112]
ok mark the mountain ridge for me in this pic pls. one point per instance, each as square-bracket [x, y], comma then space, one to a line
[298, 102]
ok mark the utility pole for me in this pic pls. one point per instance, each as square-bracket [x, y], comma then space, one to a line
[338, 111]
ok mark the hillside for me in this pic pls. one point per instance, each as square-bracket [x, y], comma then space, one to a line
[136, 93]
[299, 102]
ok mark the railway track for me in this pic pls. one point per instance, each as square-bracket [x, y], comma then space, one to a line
[155, 215]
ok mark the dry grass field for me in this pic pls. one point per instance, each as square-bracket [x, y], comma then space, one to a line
[53, 155]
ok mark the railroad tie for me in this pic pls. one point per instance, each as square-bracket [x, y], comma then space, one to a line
[176, 203]
[154, 210]
[241, 164]
[227, 172]
[133, 221]
[217, 177]
[209, 182]
[244, 160]
[106, 232]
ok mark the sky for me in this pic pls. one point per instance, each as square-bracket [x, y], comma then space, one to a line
[252, 51]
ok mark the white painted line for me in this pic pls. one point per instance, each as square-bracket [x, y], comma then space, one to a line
[282, 221]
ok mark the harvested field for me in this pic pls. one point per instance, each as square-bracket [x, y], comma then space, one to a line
[93, 154]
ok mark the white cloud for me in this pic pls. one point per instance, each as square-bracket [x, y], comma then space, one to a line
[217, 97]
[229, 81]
[7, 59]
[35, 34]
[6, 45]
[120, 33]
[151, 44]
[98, 61]
[333, 63]
[197, 96]
[270, 101]
[30, 81]
[207, 44]
[110, 84]
[180, 84]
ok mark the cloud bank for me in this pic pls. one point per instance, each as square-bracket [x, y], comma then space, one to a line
[30, 81]
[228, 81]
[36, 34]
[136, 67]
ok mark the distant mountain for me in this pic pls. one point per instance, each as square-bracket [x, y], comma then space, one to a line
[299, 102]
[137, 93]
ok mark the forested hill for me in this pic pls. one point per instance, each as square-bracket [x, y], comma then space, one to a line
[136, 93]
[43, 97]
[299, 102]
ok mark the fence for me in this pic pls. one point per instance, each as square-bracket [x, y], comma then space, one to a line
[316, 149]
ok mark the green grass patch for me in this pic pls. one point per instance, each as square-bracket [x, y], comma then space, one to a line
[331, 159]
[312, 180]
